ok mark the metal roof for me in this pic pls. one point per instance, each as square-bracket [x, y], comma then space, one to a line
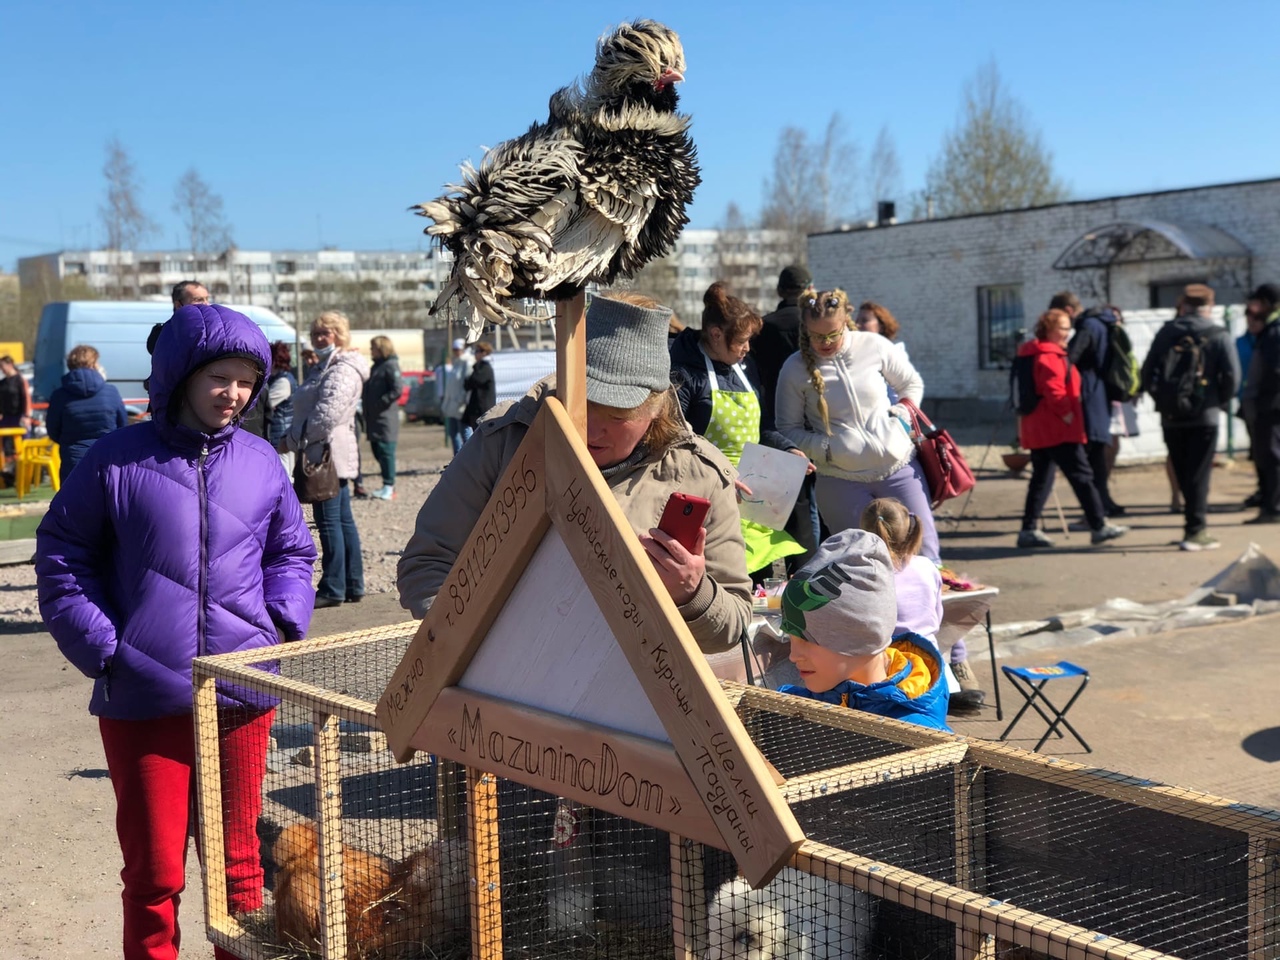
[1131, 241]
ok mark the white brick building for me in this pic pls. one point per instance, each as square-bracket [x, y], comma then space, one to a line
[964, 287]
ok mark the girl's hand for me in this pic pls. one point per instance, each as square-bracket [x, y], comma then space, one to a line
[680, 570]
[741, 489]
[800, 453]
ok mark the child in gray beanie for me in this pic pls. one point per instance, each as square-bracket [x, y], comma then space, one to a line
[839, 612]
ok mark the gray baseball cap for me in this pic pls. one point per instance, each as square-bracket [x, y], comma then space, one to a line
[844, 598]
[627, 356]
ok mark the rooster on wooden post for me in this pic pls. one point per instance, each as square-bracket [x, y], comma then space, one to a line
[591, 195]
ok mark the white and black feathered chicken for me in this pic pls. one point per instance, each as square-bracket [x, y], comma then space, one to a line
[591, 195]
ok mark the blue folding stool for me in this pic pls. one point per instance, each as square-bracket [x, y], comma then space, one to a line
[1030, 682]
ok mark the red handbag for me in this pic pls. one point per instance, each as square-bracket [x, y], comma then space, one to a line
[944, 466]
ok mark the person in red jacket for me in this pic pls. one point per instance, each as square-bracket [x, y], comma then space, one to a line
[1054, 433]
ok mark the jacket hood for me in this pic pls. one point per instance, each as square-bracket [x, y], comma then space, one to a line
[1193, 321]
[1035, 346]
[351, 358]
[83, 382]
[198, 334]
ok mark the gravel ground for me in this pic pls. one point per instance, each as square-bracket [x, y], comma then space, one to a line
[384, 526]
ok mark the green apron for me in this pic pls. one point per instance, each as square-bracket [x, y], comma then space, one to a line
[735, 421]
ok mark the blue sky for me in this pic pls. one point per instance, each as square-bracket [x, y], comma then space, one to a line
[321, 122]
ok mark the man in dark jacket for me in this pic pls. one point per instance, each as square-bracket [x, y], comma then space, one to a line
[1261, 401]
[1191, 434]
[1087, 352]
[778, 339]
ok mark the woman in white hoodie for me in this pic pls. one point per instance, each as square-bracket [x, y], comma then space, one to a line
[832, 403]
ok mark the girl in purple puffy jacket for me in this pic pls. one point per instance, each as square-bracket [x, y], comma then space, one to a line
[173, 539]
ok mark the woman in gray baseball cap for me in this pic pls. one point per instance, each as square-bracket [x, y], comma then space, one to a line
[644, 449]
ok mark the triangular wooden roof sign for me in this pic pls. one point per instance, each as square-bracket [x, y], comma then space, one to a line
[554, 656]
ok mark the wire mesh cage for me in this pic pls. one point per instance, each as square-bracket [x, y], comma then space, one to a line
[919, 844]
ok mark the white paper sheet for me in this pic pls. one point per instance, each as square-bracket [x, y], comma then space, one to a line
[774, 477]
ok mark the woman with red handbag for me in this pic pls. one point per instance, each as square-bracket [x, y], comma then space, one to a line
[1054, 433]
[833, 403]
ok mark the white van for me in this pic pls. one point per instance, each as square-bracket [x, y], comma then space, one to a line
[516, 371]
[118, 331]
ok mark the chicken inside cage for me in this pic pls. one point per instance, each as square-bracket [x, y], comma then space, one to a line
[796, 915]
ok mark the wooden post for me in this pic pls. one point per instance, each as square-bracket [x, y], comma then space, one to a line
[217, 916]
[486, 878]
[971, 854]
[571, 359]
[688, 899]
[333, 901]
[1264, 888]
[449, 780]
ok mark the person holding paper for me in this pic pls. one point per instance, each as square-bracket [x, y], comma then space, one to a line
[833, 403]
[719, 394]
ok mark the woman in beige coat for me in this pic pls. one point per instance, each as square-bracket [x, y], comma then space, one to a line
[644, 449]
[324, 411]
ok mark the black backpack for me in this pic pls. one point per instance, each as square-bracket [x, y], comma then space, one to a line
[1179, 384]
[1022, 385]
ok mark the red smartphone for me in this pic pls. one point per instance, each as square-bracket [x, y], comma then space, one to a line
[683, 516]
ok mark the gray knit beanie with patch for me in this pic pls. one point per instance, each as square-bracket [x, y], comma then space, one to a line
[627, 356]
[844, 598]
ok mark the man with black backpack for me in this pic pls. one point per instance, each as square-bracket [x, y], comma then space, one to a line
[1192, 373]
[1089, 352]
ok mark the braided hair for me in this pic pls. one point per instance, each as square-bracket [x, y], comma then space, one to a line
[814, 306]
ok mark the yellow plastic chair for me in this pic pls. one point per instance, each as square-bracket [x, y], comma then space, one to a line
[34, 457]
[17, 435]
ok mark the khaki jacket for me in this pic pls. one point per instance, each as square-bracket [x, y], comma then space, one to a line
[718, 612]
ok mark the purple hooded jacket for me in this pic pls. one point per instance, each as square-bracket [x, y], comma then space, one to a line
[166, 543]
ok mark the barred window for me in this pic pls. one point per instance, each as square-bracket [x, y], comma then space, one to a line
[1000, 325]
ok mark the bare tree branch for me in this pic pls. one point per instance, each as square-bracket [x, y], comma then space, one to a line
[123, 218]
[200, 210]
[812, 183]
[884, 172]
[994, 160]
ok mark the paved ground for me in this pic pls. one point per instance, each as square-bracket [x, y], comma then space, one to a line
[1195, 707]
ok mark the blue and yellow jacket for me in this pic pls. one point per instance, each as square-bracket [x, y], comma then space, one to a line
[915, 690]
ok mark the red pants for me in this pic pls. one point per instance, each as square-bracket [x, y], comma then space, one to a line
[152, 764]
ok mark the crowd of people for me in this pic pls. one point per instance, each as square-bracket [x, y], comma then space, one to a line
[185, 536]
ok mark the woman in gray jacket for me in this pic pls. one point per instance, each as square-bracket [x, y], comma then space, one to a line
[324, 411]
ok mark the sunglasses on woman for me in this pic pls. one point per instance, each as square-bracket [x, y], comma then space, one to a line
[825, 339]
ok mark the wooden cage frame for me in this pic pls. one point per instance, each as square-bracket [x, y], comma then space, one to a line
[979, 920]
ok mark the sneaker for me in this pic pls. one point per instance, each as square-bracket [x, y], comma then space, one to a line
[386, 493]
[1115, 510]
[359, 492]
[1201, 541]
[1108, 531]
[1030, 539]
[1253, 501]
[1079, 526]
[970, 696]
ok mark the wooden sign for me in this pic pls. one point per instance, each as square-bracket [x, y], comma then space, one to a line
[624, 774]
[589, 651]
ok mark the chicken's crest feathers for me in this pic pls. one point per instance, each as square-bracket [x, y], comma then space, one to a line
[633, 53]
